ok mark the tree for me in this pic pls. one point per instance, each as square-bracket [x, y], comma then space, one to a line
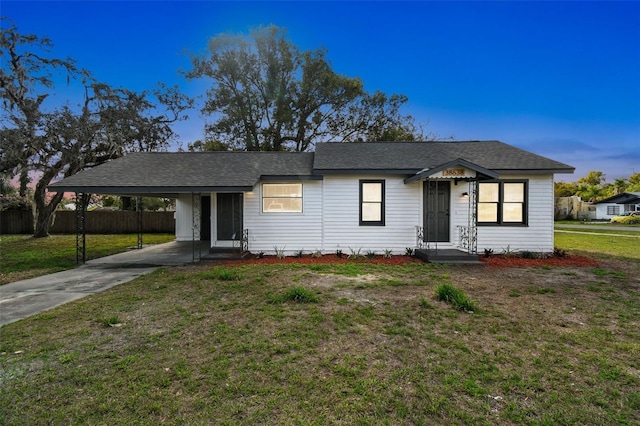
[593, 178]
[48, 144]
[268, 95]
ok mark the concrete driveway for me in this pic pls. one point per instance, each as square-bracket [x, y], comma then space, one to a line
[22, 299]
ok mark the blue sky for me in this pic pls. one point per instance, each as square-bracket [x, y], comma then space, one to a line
[561, 79]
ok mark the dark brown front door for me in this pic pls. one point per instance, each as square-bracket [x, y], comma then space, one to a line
[436, 211]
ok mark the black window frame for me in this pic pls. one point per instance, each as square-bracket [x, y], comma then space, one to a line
[500, 221]
[380, 222]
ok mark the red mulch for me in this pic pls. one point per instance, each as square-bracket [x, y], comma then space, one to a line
[324, 259]
[499, 261]
[495, 261]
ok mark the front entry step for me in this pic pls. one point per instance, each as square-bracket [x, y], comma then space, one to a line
[451, 256]
[224, 253]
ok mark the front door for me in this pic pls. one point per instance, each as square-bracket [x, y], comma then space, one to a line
[205, 218]
[436, 211]
[229, 216]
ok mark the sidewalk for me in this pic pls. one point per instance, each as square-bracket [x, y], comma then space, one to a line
[22, 299]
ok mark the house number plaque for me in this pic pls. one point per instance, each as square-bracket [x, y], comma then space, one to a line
[453, 172]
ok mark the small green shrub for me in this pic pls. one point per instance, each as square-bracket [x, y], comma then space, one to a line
[110, 322]
[409, 251]
[558, 252]
[488, 253]
[299, 253]
[317, 254]
[279, 252]
[339, 254]
[355, 254]
[526, 254]
[371, 254]
[296, 295]
[387, 253]
[456, 297]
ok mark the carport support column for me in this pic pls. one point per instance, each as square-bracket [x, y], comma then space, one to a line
[82, 200]
[195, 225]
[139, 213]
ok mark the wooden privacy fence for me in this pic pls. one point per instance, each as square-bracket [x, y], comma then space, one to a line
[97, 222]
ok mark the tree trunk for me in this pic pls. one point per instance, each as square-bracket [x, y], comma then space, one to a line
[44, 211]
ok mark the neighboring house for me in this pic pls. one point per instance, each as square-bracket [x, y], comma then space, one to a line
[372, 196]
[621, 203]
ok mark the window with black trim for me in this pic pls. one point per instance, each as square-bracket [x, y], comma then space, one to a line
[502, 203]
[372, 202]
[281, 198]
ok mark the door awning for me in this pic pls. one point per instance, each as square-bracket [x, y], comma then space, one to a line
[459, 162]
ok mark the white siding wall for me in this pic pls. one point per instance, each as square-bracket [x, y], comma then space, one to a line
[184, 218]
[291, 231]
[342, 230]
[538, 236]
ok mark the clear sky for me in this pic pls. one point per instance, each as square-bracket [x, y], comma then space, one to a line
[561, 79]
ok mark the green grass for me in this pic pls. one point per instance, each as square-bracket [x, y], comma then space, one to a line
[22, 256]
[626, 245]
[193, 346]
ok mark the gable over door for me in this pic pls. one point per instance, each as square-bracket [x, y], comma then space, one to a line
[228, 216]
[436, 210]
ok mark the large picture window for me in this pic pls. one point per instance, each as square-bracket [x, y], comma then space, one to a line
[282, 198]
[502, 203]
[372, 202]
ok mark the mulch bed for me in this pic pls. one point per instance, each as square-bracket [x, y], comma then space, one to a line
[495, 261]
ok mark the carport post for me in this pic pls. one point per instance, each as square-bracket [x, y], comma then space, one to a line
[139, 212]
[82, 200]
[195, 225]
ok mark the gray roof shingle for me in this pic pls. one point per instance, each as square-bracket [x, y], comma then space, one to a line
[163, 173]
[414, 156]
[171, 173]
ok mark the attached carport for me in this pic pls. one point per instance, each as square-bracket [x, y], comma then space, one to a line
[179, 174]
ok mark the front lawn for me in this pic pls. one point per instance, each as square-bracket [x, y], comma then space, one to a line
[325, 344]
[22, 256]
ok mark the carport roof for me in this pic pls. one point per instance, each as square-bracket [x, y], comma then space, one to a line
[168, 174]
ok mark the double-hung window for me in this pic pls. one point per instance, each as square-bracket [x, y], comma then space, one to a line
[502, 203]
[282, 198]
[372, 202]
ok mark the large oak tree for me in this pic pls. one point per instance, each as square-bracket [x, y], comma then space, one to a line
[44, 143]
[267, 95]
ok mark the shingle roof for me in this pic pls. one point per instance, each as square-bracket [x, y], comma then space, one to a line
[168, 174]
[415, 156]
[171, 173]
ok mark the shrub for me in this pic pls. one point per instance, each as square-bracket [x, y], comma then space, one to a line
[299, 253]
[526, 254]
[279, 252]
[456, 297]
[387, 253]
[630, 220]
[355, 254]
[558, 252]
[339, 253]
[409, 251]
[296, 295]
[371, 254]
[488, 252]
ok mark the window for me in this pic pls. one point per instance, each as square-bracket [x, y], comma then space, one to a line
[372, 202]
[613, 210]
[282, 198]
[502, 203]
